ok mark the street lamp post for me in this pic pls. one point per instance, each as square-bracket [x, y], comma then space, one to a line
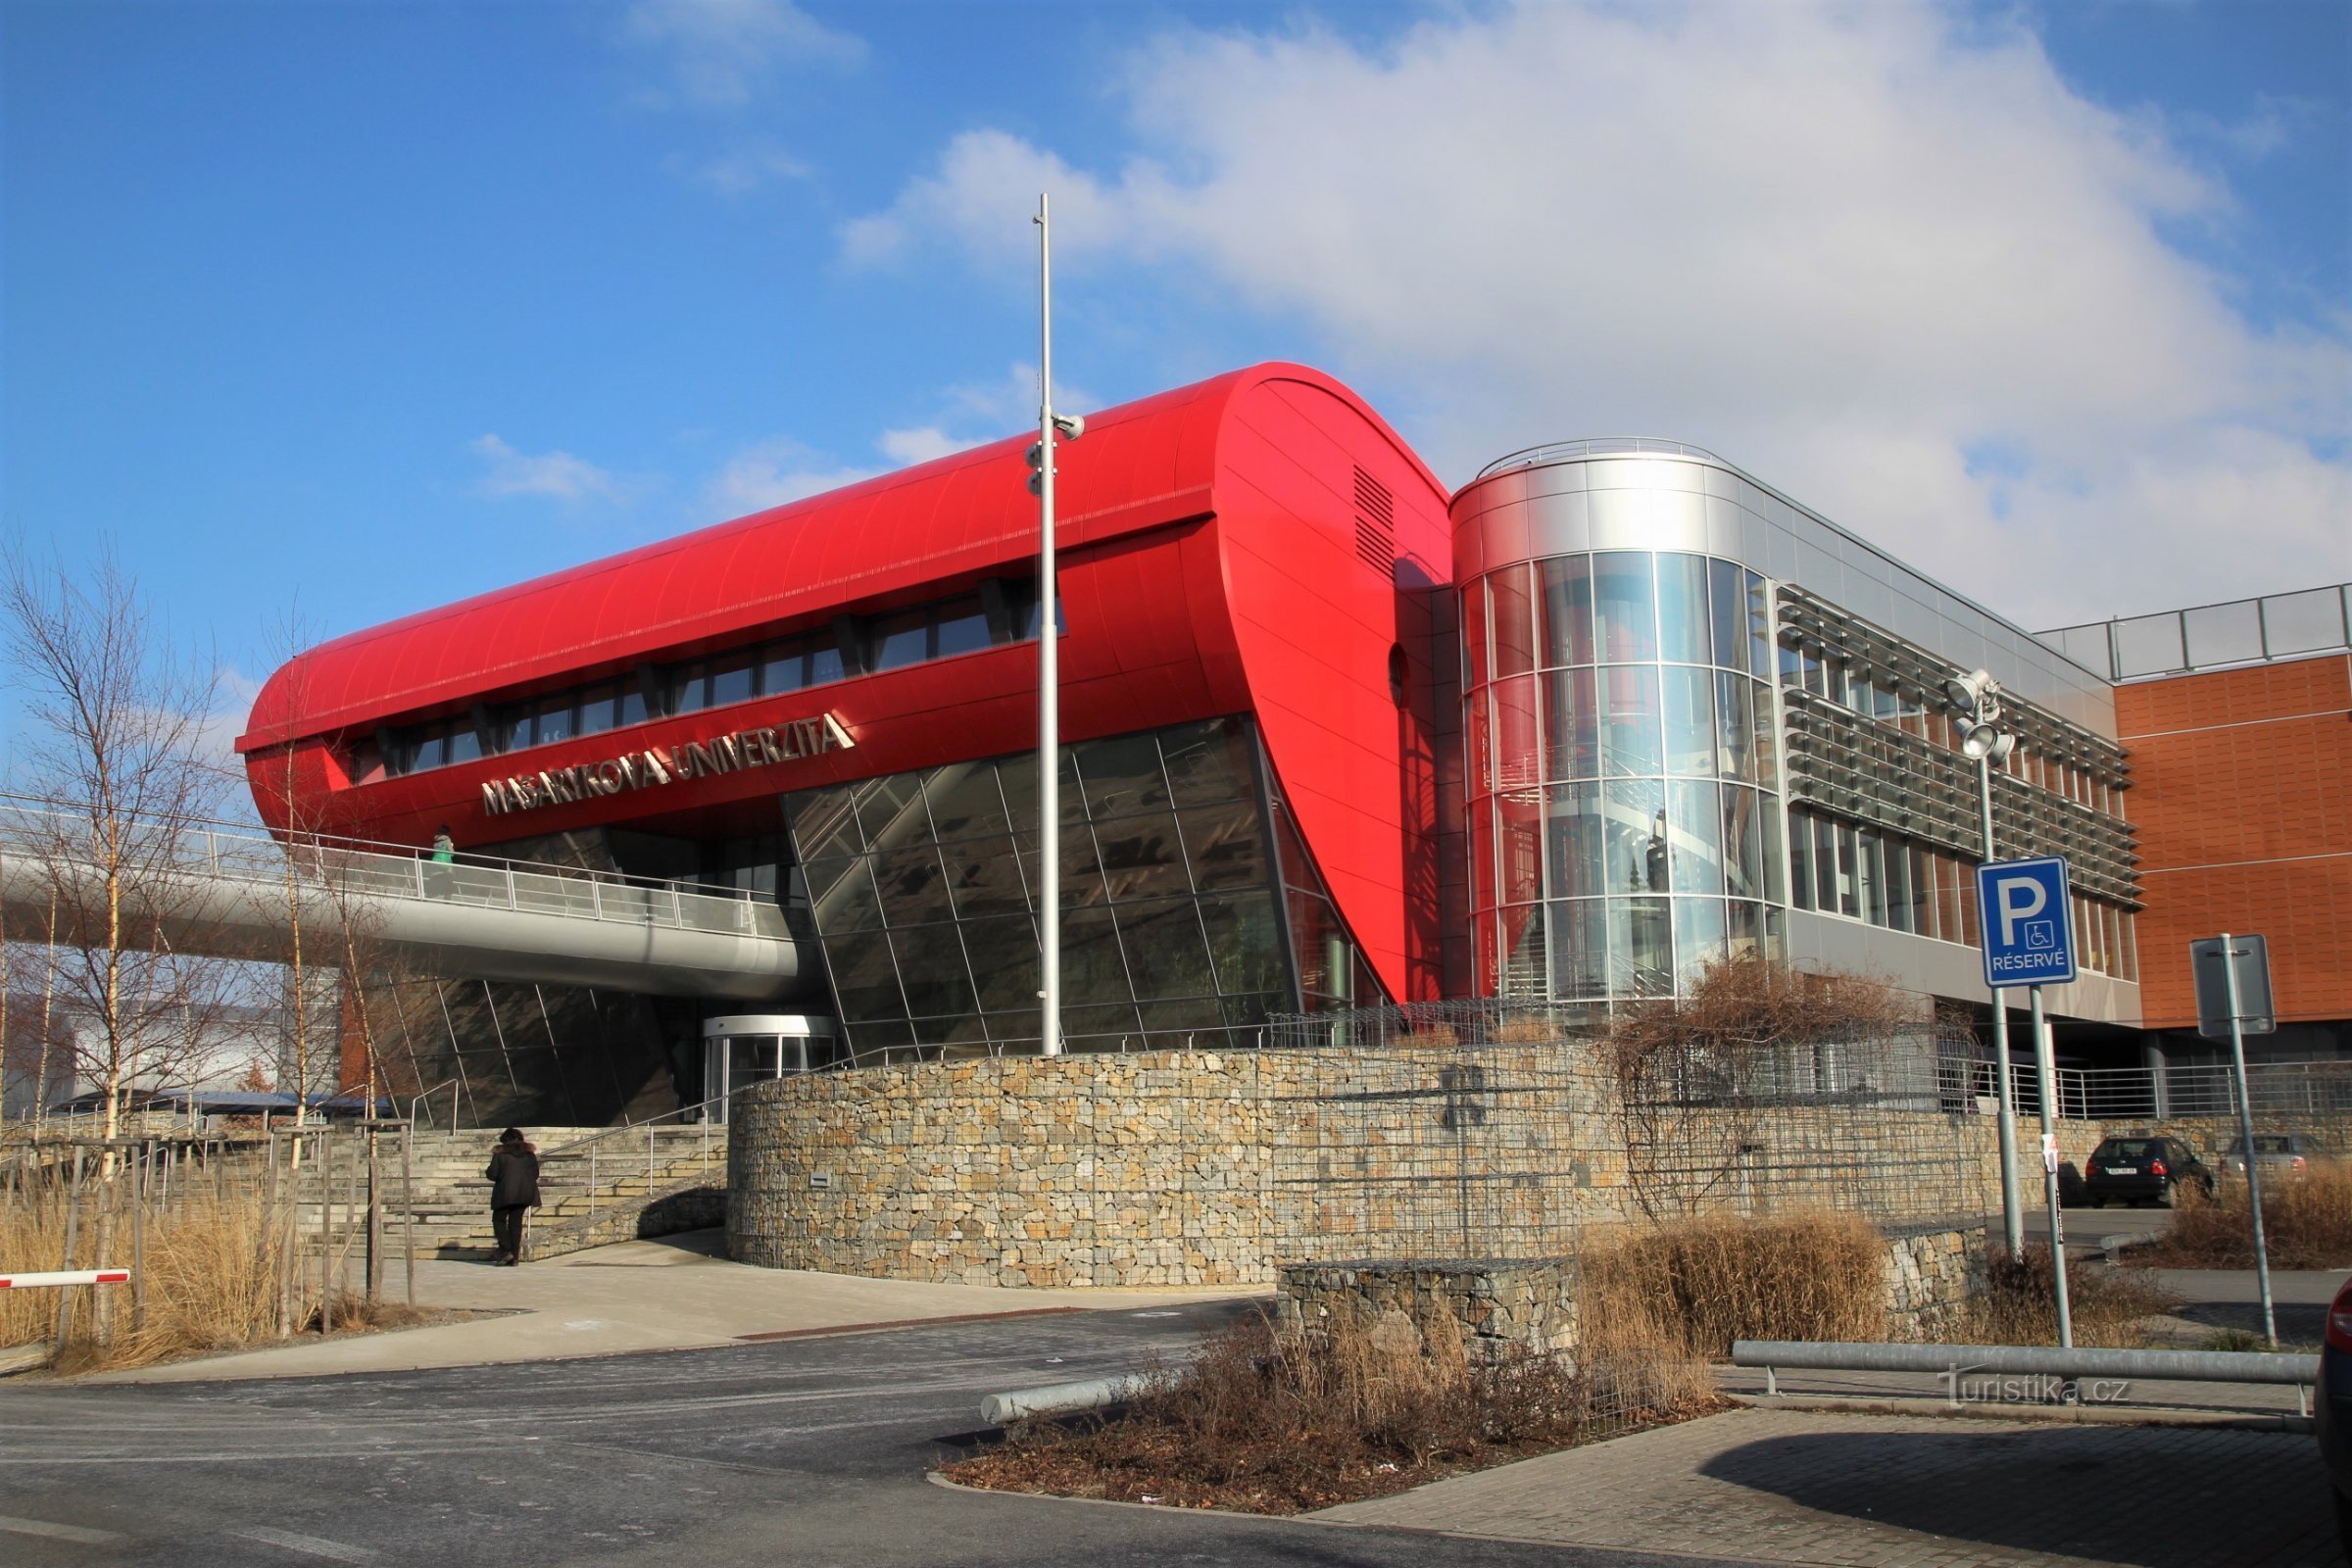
[1976, 695]
[1051, 428]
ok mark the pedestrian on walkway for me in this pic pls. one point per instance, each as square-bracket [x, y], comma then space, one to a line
[440, 868]
[513, 1177]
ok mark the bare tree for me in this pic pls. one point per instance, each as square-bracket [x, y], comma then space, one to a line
[1691, 1076]
[114, 738]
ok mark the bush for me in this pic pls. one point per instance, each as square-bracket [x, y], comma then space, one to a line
[1257, 1421]
[1709, 1280]
[2306, 1220]
[2109, 1307]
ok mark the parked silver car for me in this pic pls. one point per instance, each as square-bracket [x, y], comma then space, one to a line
[2281, 1155]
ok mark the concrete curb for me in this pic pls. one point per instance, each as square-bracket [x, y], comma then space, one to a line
[1316, 1521]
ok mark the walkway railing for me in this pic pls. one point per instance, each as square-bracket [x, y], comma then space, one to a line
[34, 829]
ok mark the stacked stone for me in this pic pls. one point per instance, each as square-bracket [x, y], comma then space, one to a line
[1489, 1306]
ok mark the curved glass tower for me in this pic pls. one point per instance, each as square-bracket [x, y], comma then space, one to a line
[1624, 780]
[1699, 719]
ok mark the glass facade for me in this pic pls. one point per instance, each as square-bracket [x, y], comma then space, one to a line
[1190, 909]
[1622, 780]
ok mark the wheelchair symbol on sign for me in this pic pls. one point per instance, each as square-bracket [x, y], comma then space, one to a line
[2041, 935]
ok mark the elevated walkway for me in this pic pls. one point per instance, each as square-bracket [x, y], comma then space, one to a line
[220, 891]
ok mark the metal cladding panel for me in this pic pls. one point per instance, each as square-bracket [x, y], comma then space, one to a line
[1211, 565]
[1315, 624]
[1142, 465]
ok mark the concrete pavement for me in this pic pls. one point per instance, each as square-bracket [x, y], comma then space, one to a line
[674, 1293]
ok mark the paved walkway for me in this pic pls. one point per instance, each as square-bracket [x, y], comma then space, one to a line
[674, 1293]
[1783, 1486]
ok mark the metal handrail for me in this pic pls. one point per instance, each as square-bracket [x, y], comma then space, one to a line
[1607, 446]
[452, 1085]
[237, 853]
[651, 1125]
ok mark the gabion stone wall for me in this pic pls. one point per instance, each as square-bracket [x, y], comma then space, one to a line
[1215, 1167]
[1930, 1273]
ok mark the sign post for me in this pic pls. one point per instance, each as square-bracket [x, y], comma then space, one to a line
[2026, 917]
[2233, 997]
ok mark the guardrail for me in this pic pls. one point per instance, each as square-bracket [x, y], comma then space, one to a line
[1775, 1356]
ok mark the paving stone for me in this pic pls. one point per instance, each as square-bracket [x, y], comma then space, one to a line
[1783, 1486]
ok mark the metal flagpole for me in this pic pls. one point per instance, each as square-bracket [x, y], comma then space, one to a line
[1049, 672]
[2245, 1140]
[2045, 1069]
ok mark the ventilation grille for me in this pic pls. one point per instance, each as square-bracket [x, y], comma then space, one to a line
[1375, 524]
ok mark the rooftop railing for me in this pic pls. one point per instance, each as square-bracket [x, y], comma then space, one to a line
[2235, 632]
[1607, 446]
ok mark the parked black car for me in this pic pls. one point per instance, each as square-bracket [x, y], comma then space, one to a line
[2141, 1170]
[2335, 1408]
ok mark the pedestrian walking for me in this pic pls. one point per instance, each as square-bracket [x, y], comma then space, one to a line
[513, 1177]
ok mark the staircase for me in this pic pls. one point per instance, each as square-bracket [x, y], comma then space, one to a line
[594, 1193]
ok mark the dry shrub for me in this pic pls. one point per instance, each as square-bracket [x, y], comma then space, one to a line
[2109, 1307]
[1527, 1031]
[1436, 1036]
[2306, 1222]
[211, 1279]
[1272, 1424]
[1711, 1279]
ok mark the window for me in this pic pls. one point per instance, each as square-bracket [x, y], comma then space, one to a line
[730, 679]
[901, 640]
[600, 708]
[939, 630]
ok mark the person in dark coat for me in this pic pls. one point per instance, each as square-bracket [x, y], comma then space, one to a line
[513, 1177]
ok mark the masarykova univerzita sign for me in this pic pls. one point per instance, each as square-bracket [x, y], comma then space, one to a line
[656, 765]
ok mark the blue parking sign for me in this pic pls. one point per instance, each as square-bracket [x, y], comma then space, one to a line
[2027, 922]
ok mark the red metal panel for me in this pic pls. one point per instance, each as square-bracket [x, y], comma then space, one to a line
[1211, 567]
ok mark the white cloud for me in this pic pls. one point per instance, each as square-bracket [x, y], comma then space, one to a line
[975, 413]
[1846, 245]
[769, 473]
[558, 475]
[722, 52]
[909, 447]
[743, 168]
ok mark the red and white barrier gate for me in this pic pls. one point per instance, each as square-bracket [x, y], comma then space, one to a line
[71, 1275]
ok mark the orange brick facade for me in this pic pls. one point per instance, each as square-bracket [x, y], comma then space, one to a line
[2243, 794]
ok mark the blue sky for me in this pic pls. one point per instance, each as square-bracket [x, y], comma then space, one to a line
[345, 310]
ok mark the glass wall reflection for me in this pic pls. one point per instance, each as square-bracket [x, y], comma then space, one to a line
[1623, 777]
[1191, 907]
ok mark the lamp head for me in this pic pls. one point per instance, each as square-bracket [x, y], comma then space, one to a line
[1985, 744]
[1972, 694]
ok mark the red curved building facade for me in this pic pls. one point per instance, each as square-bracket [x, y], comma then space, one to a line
[1258, 549]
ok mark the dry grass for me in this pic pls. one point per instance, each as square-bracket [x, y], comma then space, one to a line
[1436, 1036]
[1708, 1280]
[2110, 1307]
[2306, 1221]
[1528, 1031]
[1266, 1424]
[212, 1281]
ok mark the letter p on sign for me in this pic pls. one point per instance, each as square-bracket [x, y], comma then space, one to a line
[2019, 898]
[2027, 923]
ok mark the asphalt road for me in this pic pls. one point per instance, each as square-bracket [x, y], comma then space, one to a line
[799, 1452]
